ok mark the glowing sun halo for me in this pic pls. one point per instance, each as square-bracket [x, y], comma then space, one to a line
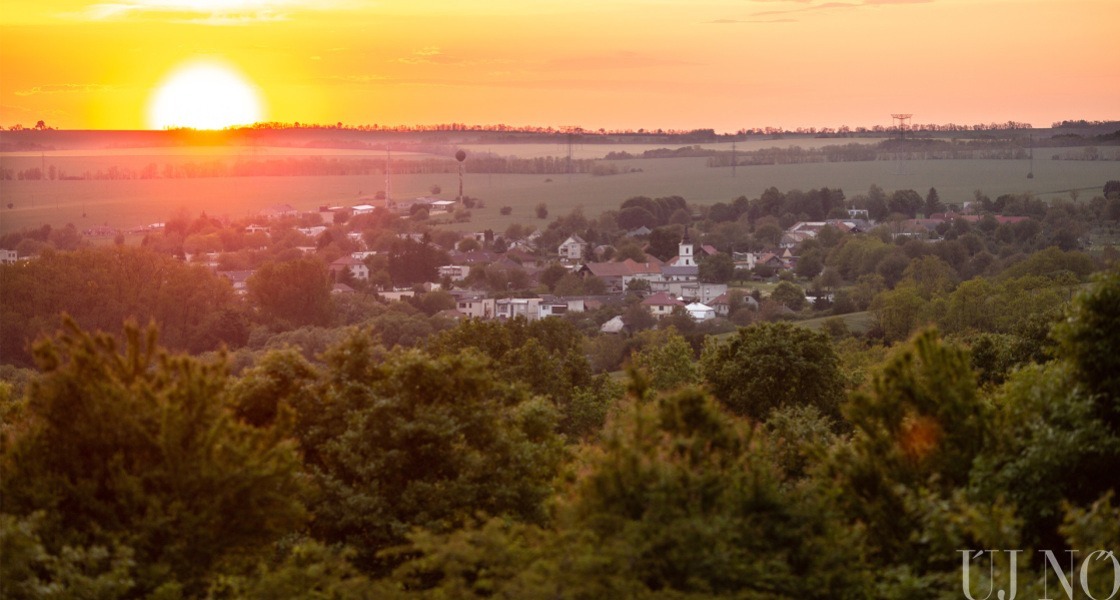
[204, 96]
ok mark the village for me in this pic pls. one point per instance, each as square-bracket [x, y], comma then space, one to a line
[665, 287]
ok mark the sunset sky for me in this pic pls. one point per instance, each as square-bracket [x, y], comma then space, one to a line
[726, 64]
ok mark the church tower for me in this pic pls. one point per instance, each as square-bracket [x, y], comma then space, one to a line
[684, 252]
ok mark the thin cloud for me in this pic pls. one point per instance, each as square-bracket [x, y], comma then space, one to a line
[428, 55]
[205, 12]
[63, 88]
[735, 21]
[358, 79]
[837, 5]
[618, 60]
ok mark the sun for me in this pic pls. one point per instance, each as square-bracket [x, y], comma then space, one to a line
[204, 95]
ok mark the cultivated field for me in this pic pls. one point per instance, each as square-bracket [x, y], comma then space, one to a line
[130, 203]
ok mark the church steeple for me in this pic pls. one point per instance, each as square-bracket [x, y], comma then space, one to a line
[685, 252]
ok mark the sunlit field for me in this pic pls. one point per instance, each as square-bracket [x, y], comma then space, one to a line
[131, 203]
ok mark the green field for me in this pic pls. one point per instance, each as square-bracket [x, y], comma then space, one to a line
[131, 203]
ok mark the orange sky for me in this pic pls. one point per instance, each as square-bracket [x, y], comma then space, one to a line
[726, 64]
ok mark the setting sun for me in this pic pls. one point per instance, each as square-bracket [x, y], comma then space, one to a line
[204, 96]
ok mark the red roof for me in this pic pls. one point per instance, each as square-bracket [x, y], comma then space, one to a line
[627, 267]
[662, 299]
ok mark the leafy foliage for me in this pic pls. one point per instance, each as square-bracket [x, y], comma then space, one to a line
[773, 365]
[408, 440]
[134, 447]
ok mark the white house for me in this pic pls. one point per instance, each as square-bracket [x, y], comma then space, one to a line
[8, 257]
[573, 249]
[478, 307]
[455, 272]
[661, 304]
[238, 279]
[700, 312]
[509, 308]
[357, 268]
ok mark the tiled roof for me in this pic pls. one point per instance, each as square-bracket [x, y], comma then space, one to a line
[661, 299]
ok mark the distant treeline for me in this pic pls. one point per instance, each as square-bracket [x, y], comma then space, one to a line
[316, 166]
[915, 149]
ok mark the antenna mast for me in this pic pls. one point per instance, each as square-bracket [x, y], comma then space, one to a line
[903, 124]
[388, 171]
[1030, 174]
[734, 158]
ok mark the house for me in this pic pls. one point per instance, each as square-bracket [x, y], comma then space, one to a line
[357, 268]
[694, 291]
[573, 249]
[474, 257]
[455, 272]
[278, 211]
[511, 308]
[554, 307]
[661, 304]
[700, 312]
[769, 259]
[362, 209]
[680, 273]
[256, 229]
[8, 257]
[312, 232]
[438, 206]
[239, 280]
[791, 239]
[722, 304]
[397, 295]
[617, 275]
[476, 306]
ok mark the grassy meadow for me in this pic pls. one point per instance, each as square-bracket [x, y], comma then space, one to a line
[131, 203]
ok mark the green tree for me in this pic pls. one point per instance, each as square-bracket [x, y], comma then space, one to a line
[102, 287]
[773, 365]
[664, 243]
[294, 293]
[685, 496]
[131, 447]
[412, 262]
[552, 274]
[789, 294]
[1088, 339]
[933, 203]
[719, 268]
[679, 501]
[666, 358]
[921, 425]
[406, 440]
[900, 311]
[932, 276]
[30, 570]
[906, 202]
[810, 264]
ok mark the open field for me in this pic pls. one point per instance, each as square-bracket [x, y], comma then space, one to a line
[857, 322]
[130, 203]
